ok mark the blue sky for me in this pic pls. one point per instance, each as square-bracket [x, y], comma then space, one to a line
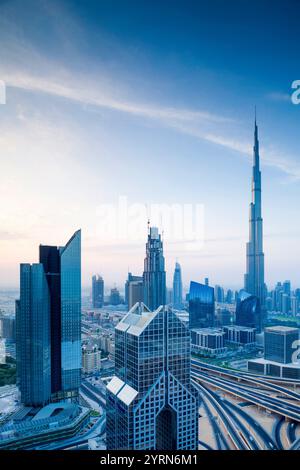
[153, 101]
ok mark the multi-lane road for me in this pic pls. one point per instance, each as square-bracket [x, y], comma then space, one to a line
[242, 429]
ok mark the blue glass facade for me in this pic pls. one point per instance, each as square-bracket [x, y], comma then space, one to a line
[151, 403]
[70, 265]
[248, 311]
[49, 325]
[201, 305]
[33, 336]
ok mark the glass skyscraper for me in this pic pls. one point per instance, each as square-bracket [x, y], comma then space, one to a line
[151, 403]
[248, 311]
[97, 291]
[33, 336]
[154, 276]
[201, 306]
[50, 306]
[177, 287]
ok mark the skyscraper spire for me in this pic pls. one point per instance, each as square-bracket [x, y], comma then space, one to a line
[254, 277]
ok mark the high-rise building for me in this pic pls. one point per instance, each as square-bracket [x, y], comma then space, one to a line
[115, 298]
[177, 287]
[154, 276]
[280, 343]
[130, 278]
[34, 336]
[254, 277]
[201, 306]
[248, 311]
[135, 292]
[97, 291]
[219, 294]
[48, 324]
[151, 403]
[7, 327]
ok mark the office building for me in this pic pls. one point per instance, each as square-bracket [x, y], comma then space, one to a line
[131, 278]
[254, 277]
[240, 335]
[115, 298]
[154, 276]
[248, 311]
[97, 291]
[201, 305]
[177, 287]
[135, 292]
[91, 359]
[151, 403]
[48, 325]
[208, 341]
[280, 342]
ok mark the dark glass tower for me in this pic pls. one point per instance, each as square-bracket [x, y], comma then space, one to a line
[201, 305]
[151, 403]
[48, 321]
[254, 277]
[154, 276]
[248, 311]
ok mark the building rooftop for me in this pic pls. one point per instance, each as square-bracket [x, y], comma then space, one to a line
[281, 329]
[267, 361]
[209, 331]
[240, 328]
[136, 320]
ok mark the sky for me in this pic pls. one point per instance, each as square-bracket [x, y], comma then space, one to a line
[152, 102]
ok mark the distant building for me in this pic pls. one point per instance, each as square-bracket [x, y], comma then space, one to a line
[135, 293]
[223, 317]
[240, 335]
[91, 359]
[97, 291]
[279, 342]
[151, 403]
[274, 369]
[131, 278]
[115, 298]
[154, 276]
[219, 294]
[177, 287]
[208, 341]
[201, 306]
[8, 327]
[48, 325]
[248, 311]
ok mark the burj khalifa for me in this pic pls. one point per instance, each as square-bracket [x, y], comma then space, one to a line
[254, 277]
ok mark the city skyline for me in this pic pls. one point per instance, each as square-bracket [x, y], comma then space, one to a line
[69, 113]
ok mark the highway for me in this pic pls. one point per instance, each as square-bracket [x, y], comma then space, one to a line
[257, 380]
[275, 405]
[239, 442]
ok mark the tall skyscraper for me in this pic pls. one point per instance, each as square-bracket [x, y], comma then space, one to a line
[248, 311]
[48, 324]
[34, 336]
[177, 287]
[151, 403]
[97, 291]
[201, 306]
[154, 276]
[254, 277]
